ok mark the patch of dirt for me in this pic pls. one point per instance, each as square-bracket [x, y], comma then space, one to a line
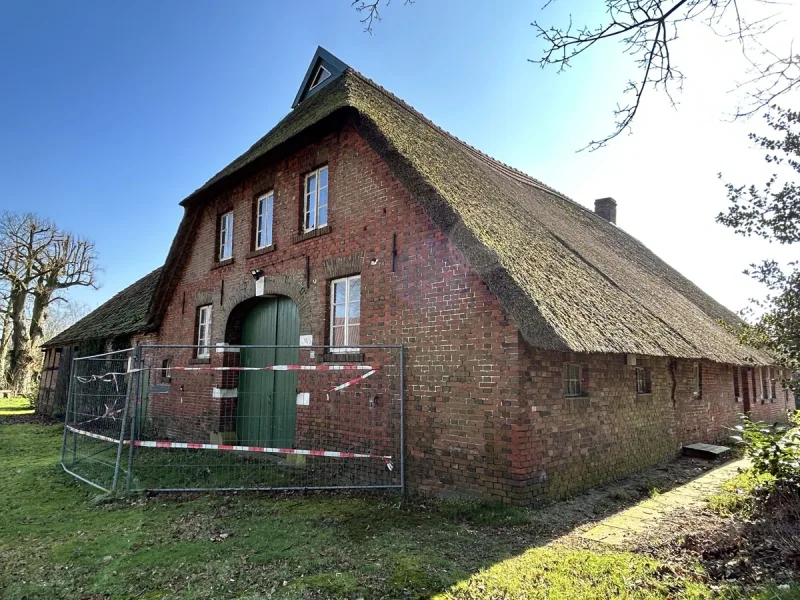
[733, 549]
[586, 508]
[34, 419]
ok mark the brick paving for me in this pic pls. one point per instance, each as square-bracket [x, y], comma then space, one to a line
[623, 527]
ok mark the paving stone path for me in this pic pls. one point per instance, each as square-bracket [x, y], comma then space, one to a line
[621, 528]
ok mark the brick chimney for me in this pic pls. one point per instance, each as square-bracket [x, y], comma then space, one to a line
[606, 208]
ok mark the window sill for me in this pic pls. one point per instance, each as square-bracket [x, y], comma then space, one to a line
[261, 251]
[307, 235]
[200, 361]
[643, 395]
[343, 357]
[581, 397]
[222, 263]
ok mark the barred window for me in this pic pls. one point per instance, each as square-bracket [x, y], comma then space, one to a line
[643, 380]
[572, 380]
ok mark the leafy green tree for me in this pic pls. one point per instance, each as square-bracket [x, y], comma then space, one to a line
[772, 212]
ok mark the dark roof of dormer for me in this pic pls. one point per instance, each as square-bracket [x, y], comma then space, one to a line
[323, 70]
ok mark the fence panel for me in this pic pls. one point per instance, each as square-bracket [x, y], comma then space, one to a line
[95, 423]
[239, 418]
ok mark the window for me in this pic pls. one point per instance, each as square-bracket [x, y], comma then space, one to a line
[316, 203]
[166, 376]
[345, 313]
[264, 208]
[643, 381]
[226, 236]
[764, 377]
[737, 391]
[321, 75]
[204, 331]
[697, 380]
[572, 380]
[772, 390]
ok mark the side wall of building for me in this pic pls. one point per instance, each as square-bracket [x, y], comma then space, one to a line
[611, 430]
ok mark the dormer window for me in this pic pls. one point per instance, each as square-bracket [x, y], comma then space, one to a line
[321, 75]
[316, 200]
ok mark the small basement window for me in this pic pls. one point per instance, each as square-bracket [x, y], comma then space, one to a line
[643, 381]
[225, 236]
[166, 374]
[572, 380]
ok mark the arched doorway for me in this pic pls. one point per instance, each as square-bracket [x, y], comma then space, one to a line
[266, 405]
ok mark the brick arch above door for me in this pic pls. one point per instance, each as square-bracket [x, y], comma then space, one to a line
[292, 286]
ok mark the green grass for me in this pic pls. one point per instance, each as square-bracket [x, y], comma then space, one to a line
[736, 498]
[15, 406]
[59, 539]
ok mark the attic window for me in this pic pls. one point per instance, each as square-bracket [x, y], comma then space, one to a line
[321, 75]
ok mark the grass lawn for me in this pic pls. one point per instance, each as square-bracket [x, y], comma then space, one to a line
[15, 406]
[58, 539]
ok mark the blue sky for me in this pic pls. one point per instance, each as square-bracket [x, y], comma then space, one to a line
[111, 113]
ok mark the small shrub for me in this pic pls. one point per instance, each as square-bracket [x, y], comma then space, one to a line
[773, 449]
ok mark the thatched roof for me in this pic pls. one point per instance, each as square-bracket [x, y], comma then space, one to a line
[569, 279]
[126, 313]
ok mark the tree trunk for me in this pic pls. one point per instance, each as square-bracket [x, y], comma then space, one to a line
[20, 358]
[5, 341]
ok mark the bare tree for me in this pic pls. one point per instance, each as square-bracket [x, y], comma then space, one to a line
[38, 262]
[370, 11]
[648, 29]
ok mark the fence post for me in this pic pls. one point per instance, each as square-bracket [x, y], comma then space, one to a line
[122, 431]
[137, 363]
[402, 419]
[70, 399]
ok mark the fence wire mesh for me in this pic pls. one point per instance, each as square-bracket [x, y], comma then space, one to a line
[96, 417]
[241, 417]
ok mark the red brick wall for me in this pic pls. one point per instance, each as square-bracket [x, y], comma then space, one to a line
[462, 350]
[574, 443]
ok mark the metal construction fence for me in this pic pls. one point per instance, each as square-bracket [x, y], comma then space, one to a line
[236, 417]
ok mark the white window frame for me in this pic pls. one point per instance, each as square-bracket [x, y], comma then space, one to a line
[346, 325]
[265, 211]
[225, 236]
[307, 206]
[204, 331]
[573, 386]
[317, 79]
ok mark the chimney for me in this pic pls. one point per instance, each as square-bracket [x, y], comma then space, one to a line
[606, 208]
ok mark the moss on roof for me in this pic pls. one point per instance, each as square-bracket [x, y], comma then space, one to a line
[571, 280]
[125, 313]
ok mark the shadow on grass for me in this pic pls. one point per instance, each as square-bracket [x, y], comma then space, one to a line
[59, 539]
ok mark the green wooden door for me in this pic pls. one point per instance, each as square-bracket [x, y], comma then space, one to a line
[266, 406]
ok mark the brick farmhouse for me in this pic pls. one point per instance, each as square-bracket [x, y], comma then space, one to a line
[547, 350]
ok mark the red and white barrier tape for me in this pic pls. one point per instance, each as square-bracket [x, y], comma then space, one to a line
[193, 446]
[352, 381]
